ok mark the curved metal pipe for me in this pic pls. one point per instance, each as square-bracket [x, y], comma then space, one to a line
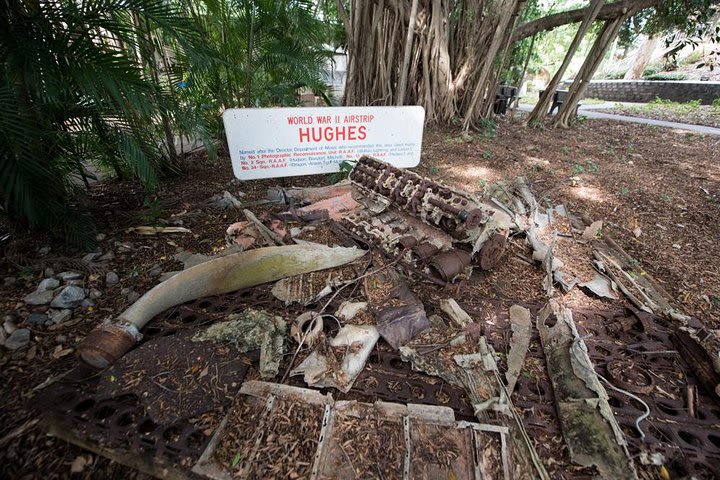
[106, 344]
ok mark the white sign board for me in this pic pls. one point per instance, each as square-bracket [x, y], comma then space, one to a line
[283, 142]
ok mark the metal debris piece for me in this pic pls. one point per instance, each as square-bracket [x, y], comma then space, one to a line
[591, 231]
[106, 344]
[307, 328]
[250, 330]
[601, 286]
[334, 208]
[520, 326]
[322, 369]
[389, 193]
[591, 432]
[458, 316]
[296, 195]
[398, 325]
[348, 310]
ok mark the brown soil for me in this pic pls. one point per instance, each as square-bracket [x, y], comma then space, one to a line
[630, 176]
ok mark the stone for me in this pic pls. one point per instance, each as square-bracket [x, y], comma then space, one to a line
[108, 257]
[155, 270]
[65, 276]
[39, 298]
[49, 272]
[9, 281]
[125, 290]
[9, 324]
[43, 251]
[18, 339]
[90, 257]
[60, 316]
[100, 237]
[95, 294]
[133, 297]
[36, 318]
[111, 278]
[70, 297]
[87, 303]
[48, 284]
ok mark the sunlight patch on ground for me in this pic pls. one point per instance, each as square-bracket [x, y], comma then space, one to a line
[589, 192]
[530, 160]
[474, 171]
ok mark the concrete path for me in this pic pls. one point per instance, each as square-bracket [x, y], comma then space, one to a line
[589, 113]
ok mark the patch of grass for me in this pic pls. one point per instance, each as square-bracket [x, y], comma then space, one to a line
[565, 150]
[666, 198]
[716, 104]
[434, 170]
[488, 128]
[592, 167]
[666, 76]
[634, 263]
[487, 154]
[715, 300]
[592, 101]
[623, 191]
[682, 108]
[577, 169]
[481, 185]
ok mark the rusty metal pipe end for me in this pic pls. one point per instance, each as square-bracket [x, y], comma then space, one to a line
[450, 264]
[106, 344]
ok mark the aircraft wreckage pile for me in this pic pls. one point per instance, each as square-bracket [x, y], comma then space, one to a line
[350, 332]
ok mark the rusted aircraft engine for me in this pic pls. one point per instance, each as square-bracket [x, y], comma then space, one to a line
[442, 230]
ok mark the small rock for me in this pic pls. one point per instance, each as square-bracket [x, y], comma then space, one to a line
[66, 276]
[60, 316]
[100, 237]
[95, 294]
[155, 270]
[48, 284]
[637, 232]
[70, 297]
[133, 297]
[9, 324]
[125, 247]
[677, 246]
[36, 318]
[87, 303]
[167, 275]
[60, 339]
[9, 281]
[44, 251]
[90, 257]
[108, 257]
[39, 298]
[18, 339]
[125, 290]
[49, 272]
[111, 278]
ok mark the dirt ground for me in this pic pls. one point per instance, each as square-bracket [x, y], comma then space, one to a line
[657, 191]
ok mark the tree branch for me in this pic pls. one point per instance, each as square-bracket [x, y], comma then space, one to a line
[609, 11]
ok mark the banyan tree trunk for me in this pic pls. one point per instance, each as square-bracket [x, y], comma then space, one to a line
[541, 107]
[453, 58]
[582, 80]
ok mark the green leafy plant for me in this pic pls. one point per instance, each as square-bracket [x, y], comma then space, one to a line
[577, 169]
[592, 167]
[345, 169]
[80, 83]
[487, 154]
[565, 150]
[623, 191]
